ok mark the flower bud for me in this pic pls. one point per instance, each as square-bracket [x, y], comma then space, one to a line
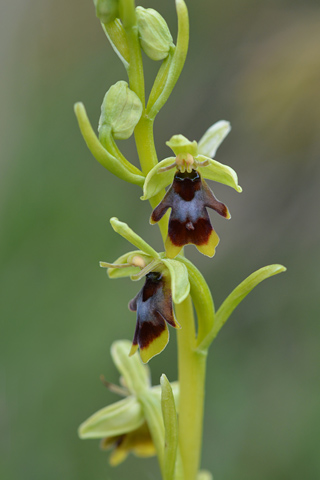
[154, 33]
[106, 10]
[121, 110]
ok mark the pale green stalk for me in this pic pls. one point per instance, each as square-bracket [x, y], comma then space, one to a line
[192, 369]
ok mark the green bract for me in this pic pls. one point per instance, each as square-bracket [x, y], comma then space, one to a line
[106, 10]
[171, 67]
[121, 110]
[118, 40]
[190, 155]
[115, 164]
[154, 34]
[170, 421]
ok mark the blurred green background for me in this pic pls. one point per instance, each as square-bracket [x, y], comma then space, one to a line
[251, 62]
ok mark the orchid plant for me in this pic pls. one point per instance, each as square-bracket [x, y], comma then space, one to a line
[165, 420]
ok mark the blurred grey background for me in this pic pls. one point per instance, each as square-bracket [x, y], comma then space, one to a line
[251, 62]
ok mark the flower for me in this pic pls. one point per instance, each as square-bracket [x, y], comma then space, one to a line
[153, 305]
[123, 425]
[166, 282]
[189, 195]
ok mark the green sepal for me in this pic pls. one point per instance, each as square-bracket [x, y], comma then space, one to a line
[116, 419]
[155, 181]
[180, 286]
[136, 375]
[126, 232]
[237, 295]
[118, 40]
[99, 152]
[177, 62]
[170, 427]
[218, 172]
[213, 137]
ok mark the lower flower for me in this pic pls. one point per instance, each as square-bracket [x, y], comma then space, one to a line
[125, 426]
[138, 442]
[153, 305]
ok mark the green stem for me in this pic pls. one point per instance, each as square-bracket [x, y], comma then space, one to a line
[148, 159]
[135, 68]
[192, 369]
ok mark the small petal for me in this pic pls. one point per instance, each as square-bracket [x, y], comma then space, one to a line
[214, 136]
[211, 201]
[156, 180]
[116, 419]
[219, 173]
[126, 232]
